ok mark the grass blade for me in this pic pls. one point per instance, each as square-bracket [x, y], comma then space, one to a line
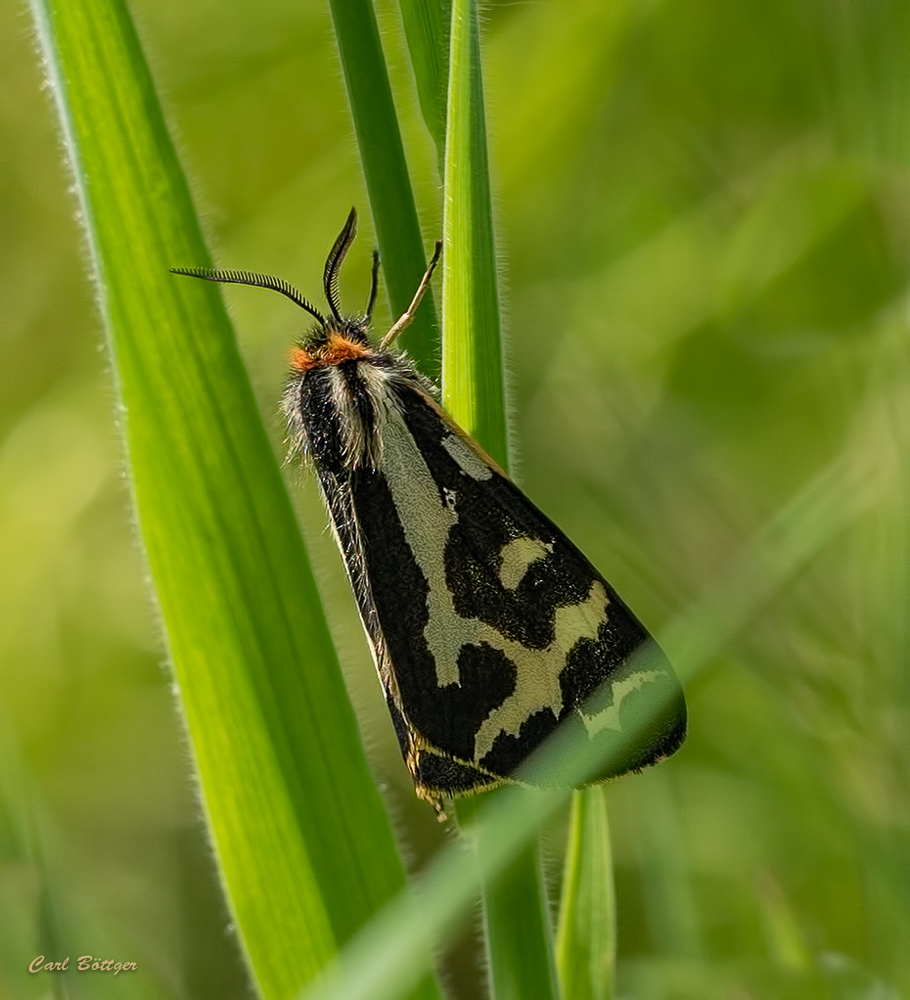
[518, 931]
[516, 920]
[386, 173]
[301, 834]
[473, 383]
[426, 26]
[586, 940]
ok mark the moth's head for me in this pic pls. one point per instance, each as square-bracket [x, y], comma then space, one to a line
[331, 345]
[335, 338]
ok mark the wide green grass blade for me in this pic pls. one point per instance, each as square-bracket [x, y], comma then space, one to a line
[586, 938]
[386, 173]
[426, 26]
[300, 831]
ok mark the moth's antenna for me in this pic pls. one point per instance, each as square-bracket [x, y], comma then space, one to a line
[374, 286]
[252, 278]
[335, 259]
[404, 320]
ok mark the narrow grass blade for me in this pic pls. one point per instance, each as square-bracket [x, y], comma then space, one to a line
[473, 383]
[386, 172]
[300, 831]
[586, 939]
[426, 26]
[517, 923]
[516, 917]
[518, 934]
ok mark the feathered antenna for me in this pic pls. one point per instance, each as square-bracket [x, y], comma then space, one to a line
[335, 259]
[374, 285]
[256, 279]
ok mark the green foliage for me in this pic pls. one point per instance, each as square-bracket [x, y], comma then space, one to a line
[385, 171]
[586, 942]
[302, 839]
[426, 24]
[515, 910]
[702, 216]
[473, 388]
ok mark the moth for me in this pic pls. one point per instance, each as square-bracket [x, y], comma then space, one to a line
[488, 627]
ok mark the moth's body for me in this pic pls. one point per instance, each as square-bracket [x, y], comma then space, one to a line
[488, 626]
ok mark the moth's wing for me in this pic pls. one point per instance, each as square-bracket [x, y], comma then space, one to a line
[436, 774]
[496, 627]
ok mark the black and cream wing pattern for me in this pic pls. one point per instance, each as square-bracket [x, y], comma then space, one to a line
[490, 628]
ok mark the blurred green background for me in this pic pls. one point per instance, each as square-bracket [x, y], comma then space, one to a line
[704, 223]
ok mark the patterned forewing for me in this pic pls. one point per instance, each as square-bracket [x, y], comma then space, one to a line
[497, 627]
